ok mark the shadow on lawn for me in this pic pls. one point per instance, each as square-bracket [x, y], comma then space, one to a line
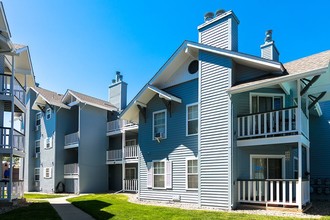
[93, 208]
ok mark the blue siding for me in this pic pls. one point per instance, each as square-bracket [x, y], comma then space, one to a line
[176, 147]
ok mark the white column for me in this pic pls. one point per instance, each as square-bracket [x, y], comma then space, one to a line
[123, 140]
[299, 189]
[298, 116]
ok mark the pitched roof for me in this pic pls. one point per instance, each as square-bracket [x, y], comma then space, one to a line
[93, 101]
[51, 97]
[19, 46]
[315, 64]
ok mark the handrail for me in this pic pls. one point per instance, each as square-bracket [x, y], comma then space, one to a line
[8, 128]
[20, 84]
[256, 113]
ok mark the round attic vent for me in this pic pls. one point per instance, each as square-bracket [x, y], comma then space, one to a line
[193, 67]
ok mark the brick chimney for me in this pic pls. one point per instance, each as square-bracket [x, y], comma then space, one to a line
[220, 30]
[268, 49]
[118, 92]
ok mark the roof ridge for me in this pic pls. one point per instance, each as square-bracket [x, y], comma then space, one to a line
[305, 57]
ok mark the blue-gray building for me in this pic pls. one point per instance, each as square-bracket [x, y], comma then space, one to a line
[221, 128]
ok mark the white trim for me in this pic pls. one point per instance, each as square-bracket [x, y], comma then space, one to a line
[261, 94]
[267, 156]
[38, 113]
[153, 123]
[35, 146]
[47, 175]
[48, 113]
[34, 174]
[164, 95]
[186, 173]
[187, 106]
[153, 174]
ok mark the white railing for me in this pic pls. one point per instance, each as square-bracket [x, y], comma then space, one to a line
[118, 125]
[131, 151]
[18, 139]
[114, 155]
[18, 89]
[71, 139]
[17, 192]
[268, 123]
[71, 169]
[305, 192]
[275, 192]
[131, 185]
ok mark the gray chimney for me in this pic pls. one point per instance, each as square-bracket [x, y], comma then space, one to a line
[118, 92]
[220, 31]
[268, 49]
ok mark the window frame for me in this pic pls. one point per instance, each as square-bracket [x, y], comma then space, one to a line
[35, 146]
[267, 156]
[35, 173]
[40, 115]
[131, 168]
[187, 120]
[259, 94]
[153, 123]
[153, 173]
[133, 140]
[48, 113]
[190, 159]
[49, 176]
[48, 140]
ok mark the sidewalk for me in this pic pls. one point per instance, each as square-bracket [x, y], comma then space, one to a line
[66, 210]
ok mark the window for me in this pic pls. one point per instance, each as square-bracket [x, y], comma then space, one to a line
[192, 119]
[130, 173]
[36, 174]
[48, 172]
[159, 174]
[37, 147]
[38, 120]
[192, 174]
[267, 166]
[131, 142]
[159, 124]
[48, 113]
[48, 143]
[266, 102]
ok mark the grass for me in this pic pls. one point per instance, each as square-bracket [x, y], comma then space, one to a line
[41, 196]
[106, 206]
[35, 210]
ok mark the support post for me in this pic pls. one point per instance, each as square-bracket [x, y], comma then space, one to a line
[299, 189]
[298, 116]
[123, 140]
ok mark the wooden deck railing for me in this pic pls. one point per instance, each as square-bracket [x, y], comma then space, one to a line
[114, 155]
[71, 169]
[131, 151]
[71, 139]
[17, 190]
[279, 122]
[131, 185]
[18, 139]
[118, 125]
[275, 192]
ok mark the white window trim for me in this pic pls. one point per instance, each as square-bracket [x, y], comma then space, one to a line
[35, 146]
[50, 139]
[131, 168]
[153, 174]
[34, 174]
[268, 157]
[187, 159]
[39, 113]
[133, 139]
[153, 124]
[50, 173]
[48, 113]
[266, 95]
[187, 106]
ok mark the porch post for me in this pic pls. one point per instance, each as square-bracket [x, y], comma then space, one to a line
[298, 116]
[308, 170]
[123, 158]
[299, 188]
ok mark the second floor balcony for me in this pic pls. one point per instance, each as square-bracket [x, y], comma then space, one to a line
[18, 140]
[71, 170]
[116, 126]
[282, 122]
[17, 89]
[131, 154]
[71, 140]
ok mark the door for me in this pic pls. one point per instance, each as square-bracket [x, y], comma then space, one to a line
[267, 168]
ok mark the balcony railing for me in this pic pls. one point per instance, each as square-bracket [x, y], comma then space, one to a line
[18, 139]
[277, 122]
[71, 139]
[71, 169]
[113, 155]
[131, 185]
[17, 190]
[118, 125]
[131, 151]
[275, 192]
[17, 90]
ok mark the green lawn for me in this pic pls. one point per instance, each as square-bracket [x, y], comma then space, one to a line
[36, 210]
[41, 196]
[106, 206]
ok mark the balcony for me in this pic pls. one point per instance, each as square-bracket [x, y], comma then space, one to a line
[284, 192]
[18, 140]
[283, 122]
[17, 190]
[18, 90]
[71, 140]
[116, 126]
[131, 154]
[71, 170]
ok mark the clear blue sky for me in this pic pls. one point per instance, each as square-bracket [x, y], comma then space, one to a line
[79, 44]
